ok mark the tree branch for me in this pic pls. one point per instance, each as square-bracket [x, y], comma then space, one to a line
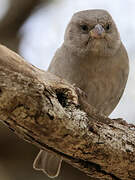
[50, 113]
[14, 18]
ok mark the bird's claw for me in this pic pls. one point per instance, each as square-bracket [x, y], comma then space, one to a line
[81, 93]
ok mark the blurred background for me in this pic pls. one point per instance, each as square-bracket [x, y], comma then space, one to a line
[35, 29]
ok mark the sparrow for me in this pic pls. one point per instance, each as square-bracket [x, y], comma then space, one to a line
[93, 58]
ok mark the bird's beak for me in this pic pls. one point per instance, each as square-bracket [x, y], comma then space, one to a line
[97, 32]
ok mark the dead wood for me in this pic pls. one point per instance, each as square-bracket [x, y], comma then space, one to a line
[52, 114]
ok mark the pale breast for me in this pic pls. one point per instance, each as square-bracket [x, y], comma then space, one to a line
[102, 79]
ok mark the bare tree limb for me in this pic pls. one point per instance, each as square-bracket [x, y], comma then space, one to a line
[50, 113]
[16, 15]
[13, 148]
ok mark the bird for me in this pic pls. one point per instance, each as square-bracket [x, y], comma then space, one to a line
[93, 58]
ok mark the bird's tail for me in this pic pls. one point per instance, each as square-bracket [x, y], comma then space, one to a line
[48, 163]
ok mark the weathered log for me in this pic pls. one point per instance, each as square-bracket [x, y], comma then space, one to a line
[53, 115]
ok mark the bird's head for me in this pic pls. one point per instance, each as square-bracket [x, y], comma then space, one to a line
[92, 31]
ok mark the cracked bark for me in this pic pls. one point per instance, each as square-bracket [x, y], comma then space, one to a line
[13, 148]
[51, 114]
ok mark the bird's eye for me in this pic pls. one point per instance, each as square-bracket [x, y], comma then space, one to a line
[84, 27]
[107, 27]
